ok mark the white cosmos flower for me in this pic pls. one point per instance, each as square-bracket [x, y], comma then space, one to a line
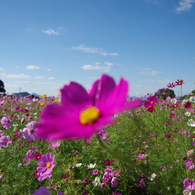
[187, 113]
[96, 181]
[191, 123]
[173, 101]
[91, 166]
[152, 176]
[78, 164]
[192, 99]
[187, 192]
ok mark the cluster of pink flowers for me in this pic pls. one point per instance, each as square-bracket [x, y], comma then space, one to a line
[151, 103]
[178, 82]
[189, 183]
[110, 176]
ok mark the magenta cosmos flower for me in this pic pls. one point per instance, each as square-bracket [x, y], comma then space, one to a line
[6, 122]
[54, 145]
[44, 191]
[151, 101]
[83, 113]
[46, 164]
[189, 184]
[29, 133]
[4, 141]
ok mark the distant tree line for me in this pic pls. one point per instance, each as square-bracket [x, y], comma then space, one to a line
[2, 87]
[164, 93]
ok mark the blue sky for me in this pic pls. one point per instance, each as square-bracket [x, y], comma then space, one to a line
[45, 44]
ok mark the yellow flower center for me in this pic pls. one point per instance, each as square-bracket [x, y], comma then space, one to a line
[42, 103]
[48, 165]
[89, 115]
[44, 96]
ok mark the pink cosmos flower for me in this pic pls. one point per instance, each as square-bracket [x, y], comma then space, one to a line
[171, 85]
[6, 122]
[189, 152]
[29, 133]
[142, 183]
[151, 109]
[171, 115]
[46, 164]
[189, 164]
[185, 132]
[54, 145]
[114, 182]
[102, 133]
[30, 154]
[152, 101]
[42, 176]
[95, 172]
[179, 82]
[1, 132]
[189, 184]
[44, 191]
[4, 141]
[188, 104]
[141, 156]
[1, 176]
[83, 113]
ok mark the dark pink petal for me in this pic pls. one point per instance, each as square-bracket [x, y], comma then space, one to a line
[74, 94]
[115, 99]
[94, 91]
[42, 191]
[107, 85]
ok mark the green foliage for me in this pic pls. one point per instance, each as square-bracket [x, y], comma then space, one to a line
[136, 132]
[193, 92]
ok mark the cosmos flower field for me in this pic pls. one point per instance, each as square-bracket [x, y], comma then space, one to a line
[97, 142]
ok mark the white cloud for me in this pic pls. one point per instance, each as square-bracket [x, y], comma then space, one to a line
[48, 83]
[91, 67]
[108, 63]
[109, 54]
[22, 81]
[15, 76]
[50, 32]
[88, 49]
[50, 78]
[1, 69]
[48, 69]
[184, 5]
[165, 81]
[31, 67]
[93, 78]
[97, 63]
[39, 77]
[148, 71]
